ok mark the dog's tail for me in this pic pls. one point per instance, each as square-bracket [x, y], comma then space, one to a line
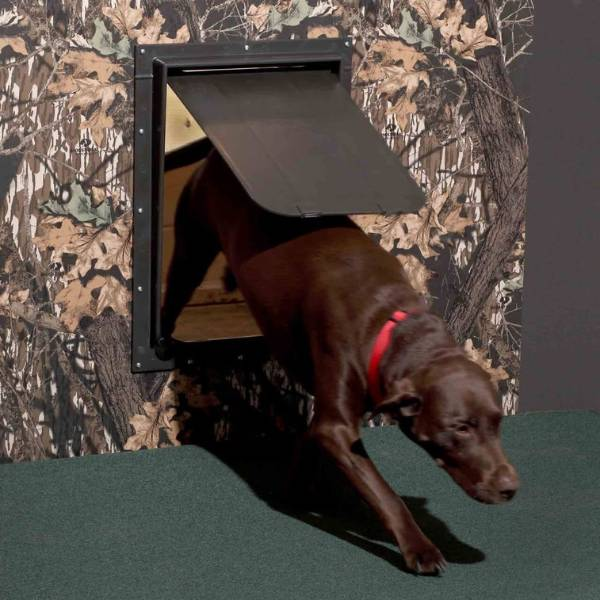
[229, 280]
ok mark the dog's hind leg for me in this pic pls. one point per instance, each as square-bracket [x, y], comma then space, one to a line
[196, 247]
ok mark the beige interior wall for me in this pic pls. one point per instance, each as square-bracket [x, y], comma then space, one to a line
[181, 127]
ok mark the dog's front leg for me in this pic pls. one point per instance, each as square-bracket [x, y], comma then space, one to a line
[343, 444]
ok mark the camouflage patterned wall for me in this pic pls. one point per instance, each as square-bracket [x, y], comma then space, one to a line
[420, 75]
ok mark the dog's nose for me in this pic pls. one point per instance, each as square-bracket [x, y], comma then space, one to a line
[508, 493]
[507, 482]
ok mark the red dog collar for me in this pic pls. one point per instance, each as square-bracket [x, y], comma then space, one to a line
[382, 341]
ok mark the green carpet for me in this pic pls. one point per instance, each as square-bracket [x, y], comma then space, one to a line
[180, 524]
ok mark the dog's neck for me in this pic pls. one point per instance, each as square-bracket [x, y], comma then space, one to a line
[415, 342]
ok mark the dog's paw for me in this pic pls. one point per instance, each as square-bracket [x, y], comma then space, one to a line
[425, 559]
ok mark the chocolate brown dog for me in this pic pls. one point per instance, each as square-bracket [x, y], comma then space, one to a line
[322, 293]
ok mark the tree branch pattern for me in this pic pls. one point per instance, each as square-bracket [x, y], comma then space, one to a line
[420, 69]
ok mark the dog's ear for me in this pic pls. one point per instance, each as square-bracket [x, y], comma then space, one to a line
[403, 401]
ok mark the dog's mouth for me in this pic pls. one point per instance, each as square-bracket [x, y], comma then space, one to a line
[483, 494]
[477, 490]
[488, 496]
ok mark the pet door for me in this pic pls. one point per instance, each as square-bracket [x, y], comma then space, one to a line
[280, 114]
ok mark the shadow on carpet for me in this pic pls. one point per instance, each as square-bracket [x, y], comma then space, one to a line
[331, 505]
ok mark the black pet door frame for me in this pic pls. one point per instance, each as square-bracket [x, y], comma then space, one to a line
[280, 114]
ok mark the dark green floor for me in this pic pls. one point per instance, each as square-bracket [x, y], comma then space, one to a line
[178, 524]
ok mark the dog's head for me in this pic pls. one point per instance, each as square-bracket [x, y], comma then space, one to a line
[449, 408]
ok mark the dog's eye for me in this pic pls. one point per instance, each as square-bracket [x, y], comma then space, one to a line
[463, 429]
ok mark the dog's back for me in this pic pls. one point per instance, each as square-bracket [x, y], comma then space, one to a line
[299, 276]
